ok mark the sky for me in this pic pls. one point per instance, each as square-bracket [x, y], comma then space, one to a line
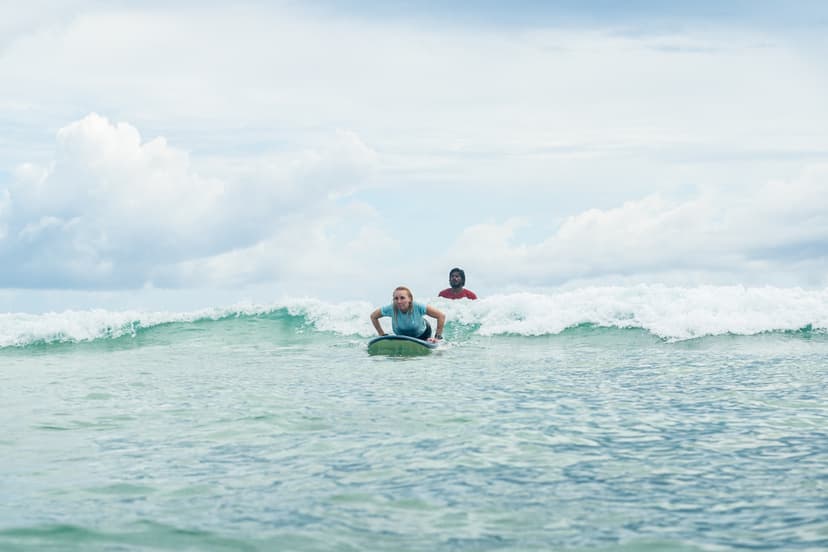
[187, 154]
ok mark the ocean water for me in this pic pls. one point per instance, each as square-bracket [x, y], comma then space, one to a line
[641, 418]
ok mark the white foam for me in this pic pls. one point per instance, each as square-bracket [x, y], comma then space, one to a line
[19, 329]
[344, 318]
[670, 312]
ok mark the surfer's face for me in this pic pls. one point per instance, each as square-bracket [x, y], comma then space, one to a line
[455, 280]
[402, 300]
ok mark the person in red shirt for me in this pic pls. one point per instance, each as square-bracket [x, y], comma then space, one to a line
[457, 279]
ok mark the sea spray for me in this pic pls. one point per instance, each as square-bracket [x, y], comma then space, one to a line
[673, 313]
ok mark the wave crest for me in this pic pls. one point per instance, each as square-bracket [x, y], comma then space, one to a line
[669, 312]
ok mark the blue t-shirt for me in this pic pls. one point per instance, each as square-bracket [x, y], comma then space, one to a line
[409, 323]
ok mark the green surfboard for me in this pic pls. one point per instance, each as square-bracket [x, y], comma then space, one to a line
[399, 345]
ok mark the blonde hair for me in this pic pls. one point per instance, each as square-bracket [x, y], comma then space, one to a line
[394, 305]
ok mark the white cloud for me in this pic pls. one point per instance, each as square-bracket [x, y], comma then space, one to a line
[114, 210]
[303, 253]
[419, 87]
[777, 229]
[121, 193]
[336, 170]
[307, 145]
[134, 210]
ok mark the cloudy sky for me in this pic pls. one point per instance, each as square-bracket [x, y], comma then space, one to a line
[335, 149]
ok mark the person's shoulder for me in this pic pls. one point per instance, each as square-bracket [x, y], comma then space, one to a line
[470, 294]
[445, 293]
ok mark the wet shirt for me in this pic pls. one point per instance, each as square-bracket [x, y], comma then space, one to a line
[448, 293]
[409, 323]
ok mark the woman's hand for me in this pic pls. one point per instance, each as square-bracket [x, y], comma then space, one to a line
[375, 316]
[441, 321]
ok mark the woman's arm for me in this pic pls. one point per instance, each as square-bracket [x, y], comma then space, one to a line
[375, 316]
[441, 320]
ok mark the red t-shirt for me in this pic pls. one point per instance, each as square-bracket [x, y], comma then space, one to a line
[448, 293]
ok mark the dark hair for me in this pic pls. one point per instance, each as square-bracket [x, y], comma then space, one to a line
[459, 271]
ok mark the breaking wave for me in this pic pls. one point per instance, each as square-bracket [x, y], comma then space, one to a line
[672, 313]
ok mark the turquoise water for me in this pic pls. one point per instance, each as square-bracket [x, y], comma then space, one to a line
[266, 431]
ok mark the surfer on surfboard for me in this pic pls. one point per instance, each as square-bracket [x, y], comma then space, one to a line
[408, 317]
